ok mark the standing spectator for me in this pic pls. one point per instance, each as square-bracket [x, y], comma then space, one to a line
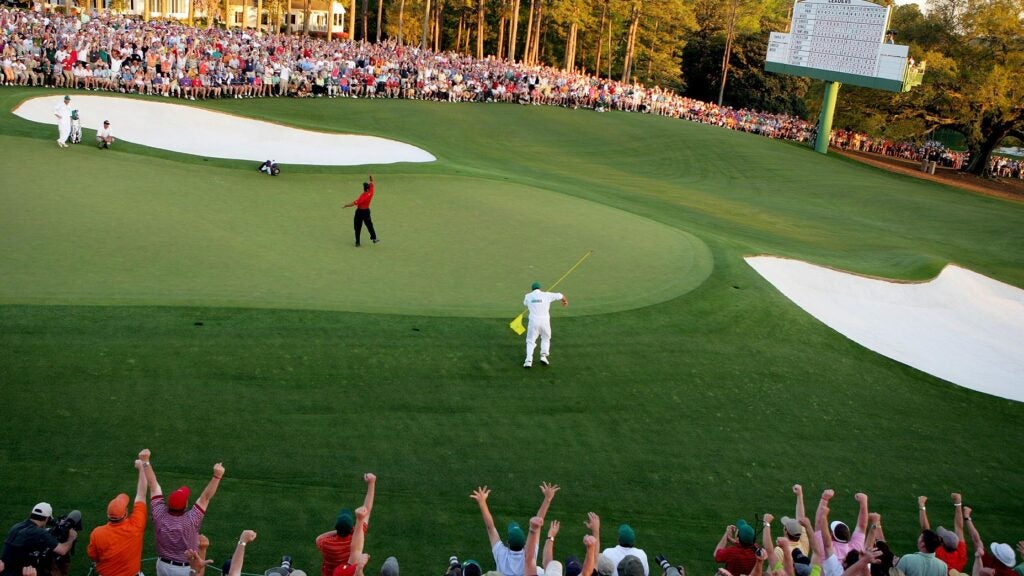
[510, 559]
[362, 216]
[538, 303]
[175, 526]
[63, 113]
[1001, 559]
[116, 547]
[736, 548]
[625, 547]
[336, 545]
[104, 137]
[923, 562]
[842, 540]
[29, 538]
[954, 548]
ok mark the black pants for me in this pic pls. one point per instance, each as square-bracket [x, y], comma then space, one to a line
[361, 217]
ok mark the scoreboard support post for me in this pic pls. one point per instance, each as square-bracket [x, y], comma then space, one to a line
[828, 108]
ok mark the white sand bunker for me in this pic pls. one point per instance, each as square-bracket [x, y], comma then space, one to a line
[961, 326]
[215, 135]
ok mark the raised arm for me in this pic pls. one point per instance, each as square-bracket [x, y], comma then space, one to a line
[549, 491]
[979, 546]
[762, 555]
[821, 523]
[817, 552]
[862, 567]
[728, 536]
[922, 513]
[958, 514]
[480, 495]
[590, 561]
[874, 532]
[211, 487]
[766, 536]
[798, 490]
[787, 556]
[141, 484]
[862, 515]
[356, 556]
[549, 544]
[147, 466]
[238, 558]
[371, 484]
[530, 551]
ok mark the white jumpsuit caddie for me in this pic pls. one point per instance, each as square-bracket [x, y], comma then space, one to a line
[538, 304]
[63, 113]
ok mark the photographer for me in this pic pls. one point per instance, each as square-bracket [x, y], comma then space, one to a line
[29, 542]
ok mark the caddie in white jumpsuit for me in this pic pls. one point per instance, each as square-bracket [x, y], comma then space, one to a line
[538, 303]
[63, 113]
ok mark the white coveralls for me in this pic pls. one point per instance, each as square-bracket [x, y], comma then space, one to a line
[538, 303]
[63, 112]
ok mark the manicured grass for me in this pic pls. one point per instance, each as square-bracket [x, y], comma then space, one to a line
[679, 402]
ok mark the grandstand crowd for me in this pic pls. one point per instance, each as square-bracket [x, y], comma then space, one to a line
[121, 53]
[797, 545]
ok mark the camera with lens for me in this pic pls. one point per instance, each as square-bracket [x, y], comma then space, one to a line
[61, 527]
[46, 561]
[283, 570]
[454, 567]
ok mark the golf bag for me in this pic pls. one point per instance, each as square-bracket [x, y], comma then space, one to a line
[76, 127]
[270, 167]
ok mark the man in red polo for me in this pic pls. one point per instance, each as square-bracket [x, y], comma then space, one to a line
[116, 547]
[362, 205]
[175, 525]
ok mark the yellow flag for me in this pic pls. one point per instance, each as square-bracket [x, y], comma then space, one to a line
[517, 325]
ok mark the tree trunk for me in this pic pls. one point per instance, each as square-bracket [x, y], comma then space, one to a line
[426, 24]
[380, 17]
[529, 35]
[437, 26]
[981, 149]
[513, 30]
[654, 44]
[191, 12]
[570, 47]
[401, 20]
[600, 34]
[728, 50]
[330, 19]
[609, 51]
[306, 12]
[627, 61]
[538, 20]
[480, 13]
[501, 36]
[366, 19]
[458, 37]
[351, 19]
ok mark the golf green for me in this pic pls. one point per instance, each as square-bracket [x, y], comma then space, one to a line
[450, 245]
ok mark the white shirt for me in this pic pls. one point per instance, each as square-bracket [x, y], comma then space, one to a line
[619, 552]
[539, 302]
[104, 133]
[63, 112]
[510, 563]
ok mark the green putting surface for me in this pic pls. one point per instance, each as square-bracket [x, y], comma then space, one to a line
[450, 245]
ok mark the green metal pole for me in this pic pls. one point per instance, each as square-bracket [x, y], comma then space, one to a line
[828, 108]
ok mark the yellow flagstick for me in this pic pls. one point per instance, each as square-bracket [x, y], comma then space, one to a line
[517, 323]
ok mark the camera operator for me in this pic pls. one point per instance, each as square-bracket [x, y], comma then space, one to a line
[116, 547]
[29, 542]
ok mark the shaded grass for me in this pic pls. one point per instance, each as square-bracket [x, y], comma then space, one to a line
[677, 417]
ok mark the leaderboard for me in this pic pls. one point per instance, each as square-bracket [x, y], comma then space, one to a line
[839, 35]
[841, 41]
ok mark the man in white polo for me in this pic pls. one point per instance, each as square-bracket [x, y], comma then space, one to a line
[104, 137]
[538, 303]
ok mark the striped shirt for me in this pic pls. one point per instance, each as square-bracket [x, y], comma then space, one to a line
[175, 534]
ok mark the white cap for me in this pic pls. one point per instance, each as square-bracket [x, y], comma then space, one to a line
[43, 509]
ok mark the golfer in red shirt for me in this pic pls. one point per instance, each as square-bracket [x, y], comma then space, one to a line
[362, 205]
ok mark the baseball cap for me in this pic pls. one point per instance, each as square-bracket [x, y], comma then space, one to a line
[178, 499]
[554, 568]
[390, 567]
[469, 568]
[626, 536]
[950, 541]
[42, 509]
[67, 97]
[105, 122]
[535, 286]
[118, 507]
[344, 523]
[792, 526]
[745, 532]
[605, 566]
[630, 566]
[345, 569]
[516, 538]
[834, 525]
[572, 566]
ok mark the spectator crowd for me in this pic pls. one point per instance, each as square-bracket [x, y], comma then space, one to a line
[802, 545]
[120, 53]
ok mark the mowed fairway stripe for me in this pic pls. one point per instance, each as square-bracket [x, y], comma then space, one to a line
[128, 231]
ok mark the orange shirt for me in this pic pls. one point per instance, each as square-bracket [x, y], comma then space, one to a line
[117, 548]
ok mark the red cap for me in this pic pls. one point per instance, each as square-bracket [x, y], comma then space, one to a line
[178, 499]
[345, 570]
